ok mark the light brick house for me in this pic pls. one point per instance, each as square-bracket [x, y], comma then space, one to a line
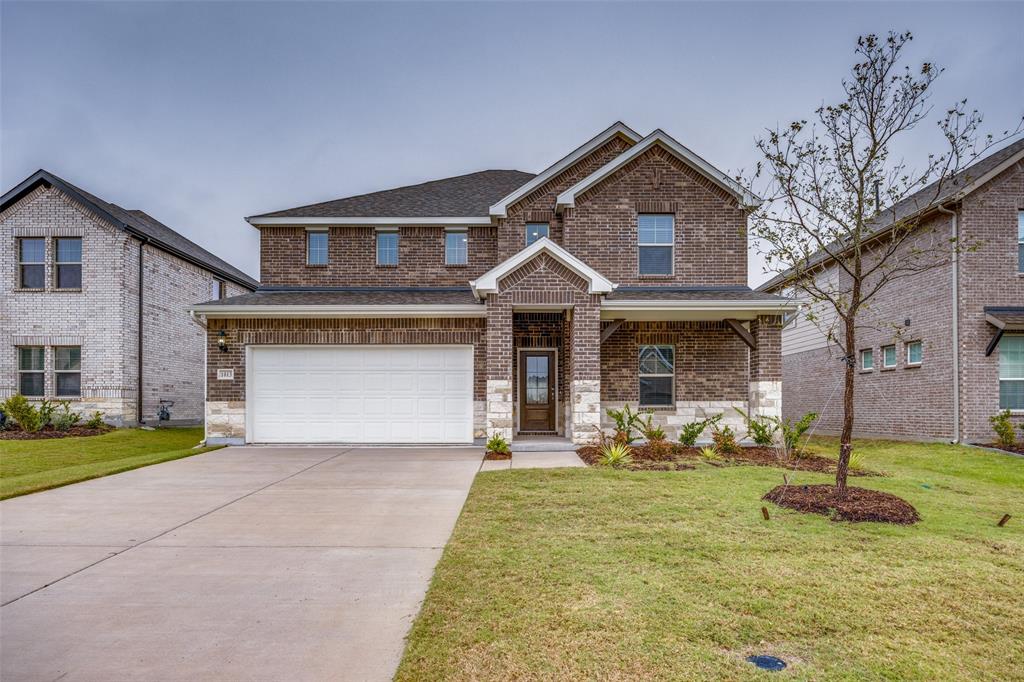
[501, 302]
[947, 350]
[74, 324]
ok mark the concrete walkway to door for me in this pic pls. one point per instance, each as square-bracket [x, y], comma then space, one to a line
[256, 563]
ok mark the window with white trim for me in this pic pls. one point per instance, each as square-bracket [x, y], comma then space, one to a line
[30, 371]
[1011, 372]
[1020, 241]
[216, 290]
[68, 262]
[316, 248]
[535, 231]
[67, 371]
[888, 357]
[655, 240]
[387, 248]
[456, 247]
[867, 359]
[915, 353]
[32, 263]
[657, 376]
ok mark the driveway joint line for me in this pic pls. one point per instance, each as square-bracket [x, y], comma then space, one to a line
[171, 530]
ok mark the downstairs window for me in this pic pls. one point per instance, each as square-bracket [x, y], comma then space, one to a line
[1011, 372]
[657, 376]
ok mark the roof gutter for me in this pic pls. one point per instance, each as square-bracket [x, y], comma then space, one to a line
[772, 306]
[322, 311]
[259, 221]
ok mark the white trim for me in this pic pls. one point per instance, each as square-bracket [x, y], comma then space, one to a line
[487, 283]
[912, 363]
[895, 356]
[500, 209]
[863, 352]
[370, 220]
[315, 311]
[519, 391]
[567, 199]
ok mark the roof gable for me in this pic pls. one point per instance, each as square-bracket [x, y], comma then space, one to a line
[567, 199]
[500, 208]
[488, 282]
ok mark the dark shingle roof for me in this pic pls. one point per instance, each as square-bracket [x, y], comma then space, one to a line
[734, 293]
[136, 222]
[368, 296]
[463, 196]
[924, 199]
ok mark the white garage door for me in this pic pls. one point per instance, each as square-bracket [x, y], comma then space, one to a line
[360, 394]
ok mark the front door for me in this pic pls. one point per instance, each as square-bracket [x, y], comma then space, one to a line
[537, 391]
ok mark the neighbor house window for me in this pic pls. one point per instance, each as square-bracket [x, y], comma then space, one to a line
[387, 248]
[30, 371]
[456, 247]
[535, 231]
[915, 353]
[655, 237]
[657, 376]
[316, 248]
[67, 371]
[1020, 241]
[32, 263]
[888, 357]
[1011, 372]
[867, 359]
[216, 290]
[69, 262]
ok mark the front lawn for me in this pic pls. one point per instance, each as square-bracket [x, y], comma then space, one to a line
[601, 574]
[28, 466]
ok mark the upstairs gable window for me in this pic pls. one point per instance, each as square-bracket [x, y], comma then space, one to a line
[1020, 241]
[69, 262]
[216, 290]
[535, 231]
[656, 239]
[456, 247]
[316, 248]
[387, 248]
[31, 262]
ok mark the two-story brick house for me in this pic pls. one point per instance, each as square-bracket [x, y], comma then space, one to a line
[501, 302]
[94, 304]
[940, 352]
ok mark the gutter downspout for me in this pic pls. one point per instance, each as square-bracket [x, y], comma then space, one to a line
[202, 324]
[955, 229]
[138, 399]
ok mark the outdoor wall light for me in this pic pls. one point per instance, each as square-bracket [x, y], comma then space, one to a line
[222, 341]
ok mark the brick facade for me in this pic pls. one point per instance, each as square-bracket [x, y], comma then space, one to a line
[102, 317]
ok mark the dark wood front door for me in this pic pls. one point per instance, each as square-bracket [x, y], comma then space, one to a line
[537, 391]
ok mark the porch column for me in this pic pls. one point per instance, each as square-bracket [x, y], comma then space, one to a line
[766, 366]
[499, 368]
[585, 371]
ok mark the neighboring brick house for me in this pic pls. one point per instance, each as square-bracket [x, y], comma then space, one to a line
[501, 302]
[947, 351]
[70, 304]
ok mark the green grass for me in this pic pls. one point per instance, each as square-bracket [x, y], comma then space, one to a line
[601, 574]
[28, 466]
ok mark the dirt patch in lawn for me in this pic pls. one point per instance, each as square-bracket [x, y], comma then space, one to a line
[497, 456]
[858, 504]
[672, 456]
[1016, 449]
[50, 432]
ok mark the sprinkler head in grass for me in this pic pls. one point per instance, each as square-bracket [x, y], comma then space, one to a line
[767, 662]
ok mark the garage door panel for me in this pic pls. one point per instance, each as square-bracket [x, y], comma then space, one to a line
[362, 394]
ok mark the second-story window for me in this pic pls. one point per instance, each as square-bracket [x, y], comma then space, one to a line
[1020, 241]
[316, 248]
[655, 239]
[68, 262]
[31, 262]
[456, 247]
[387, 248]
[216, 290]
[535, 231]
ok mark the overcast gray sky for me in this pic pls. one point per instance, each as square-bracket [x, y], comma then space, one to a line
[203, 113]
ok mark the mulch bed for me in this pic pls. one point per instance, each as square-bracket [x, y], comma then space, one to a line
[1016, 449]
[50, 432]
[490, 455]
[859, 504]
[671, 456]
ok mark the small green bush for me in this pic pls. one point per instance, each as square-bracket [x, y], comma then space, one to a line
[95, 421]
[725, 440]
[652, 433]
[626, 420]
[761, 429]
[709, 453]
[856, 462]
[1003, 427]
[498, 444]
[615, 455]
[689, 433]
[29, 417]
[65, 418]
[792, 432]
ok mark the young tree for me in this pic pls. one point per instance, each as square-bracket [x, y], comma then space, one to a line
[825, 184]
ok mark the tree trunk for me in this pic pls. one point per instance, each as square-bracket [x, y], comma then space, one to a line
[846, 438]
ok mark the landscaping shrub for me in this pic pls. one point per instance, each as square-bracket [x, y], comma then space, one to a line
[95, 421]
[792, 432]
[29, 417]
[626, 420]
[710, 453]
[615, 455]
[3, 420]
[689, 433]
[651, 432]
[856, 462]
[725, 439]
[1003, 427]
[761, 429]
[65, 419]
[498, 444]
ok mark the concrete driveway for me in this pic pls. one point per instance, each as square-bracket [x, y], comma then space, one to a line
[241, 564]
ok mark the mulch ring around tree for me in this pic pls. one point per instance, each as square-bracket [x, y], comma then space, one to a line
[50, 432]
[859, 504]
[672, 456]
[1016, 449]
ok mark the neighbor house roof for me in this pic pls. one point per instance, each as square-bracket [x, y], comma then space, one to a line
[346, 301]
[926, 199]
[462, 196]
[135, 222]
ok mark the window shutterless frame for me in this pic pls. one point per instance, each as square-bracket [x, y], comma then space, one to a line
[656, 370]
[1020, 242]
[535, 231]
[888, 357]
[32, 263]
[67, 262]
[1011, 372]
[867, 360]
[456, 247]
[216, 290]
[31, 368]
[915, 353]
[67, 371]
[387, 247]
[316, 247]
[656, 243]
